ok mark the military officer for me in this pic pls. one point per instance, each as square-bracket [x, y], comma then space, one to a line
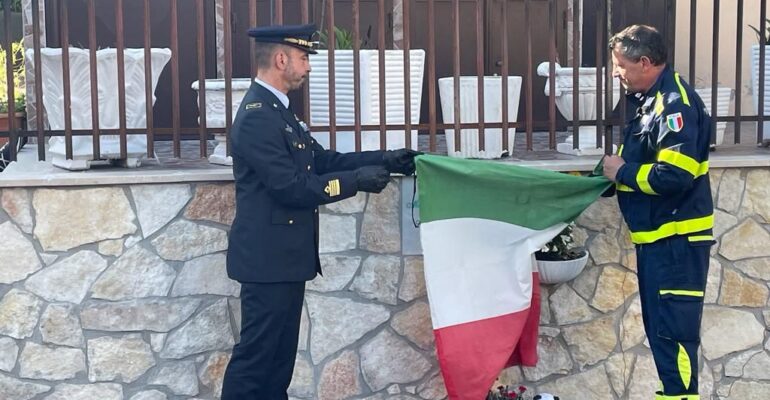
[282, 176]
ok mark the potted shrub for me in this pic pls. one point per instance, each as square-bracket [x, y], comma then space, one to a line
[560, 260]
[17, 61]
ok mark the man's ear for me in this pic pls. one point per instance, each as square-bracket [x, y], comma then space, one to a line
[646, 62]
[281, 59]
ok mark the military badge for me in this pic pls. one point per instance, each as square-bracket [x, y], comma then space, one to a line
[254, 105]
[333, 188]
[303, 125]
[675, 122]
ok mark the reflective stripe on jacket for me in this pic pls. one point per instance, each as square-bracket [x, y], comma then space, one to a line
[663, 188]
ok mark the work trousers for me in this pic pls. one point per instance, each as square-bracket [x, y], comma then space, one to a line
[262, 362]
[672, 281]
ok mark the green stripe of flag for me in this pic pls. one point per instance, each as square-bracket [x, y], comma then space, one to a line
[528, 197]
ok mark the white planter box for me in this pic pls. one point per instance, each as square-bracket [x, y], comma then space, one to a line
[755, 87]
[80, 89]
[395, 105]
[215, 111]
[724, 97]
[469, 110]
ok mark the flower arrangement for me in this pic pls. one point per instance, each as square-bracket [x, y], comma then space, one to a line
[507, 393]
[561, 247]
[17, 61]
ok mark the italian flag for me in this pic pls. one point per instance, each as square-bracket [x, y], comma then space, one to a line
[481, 222]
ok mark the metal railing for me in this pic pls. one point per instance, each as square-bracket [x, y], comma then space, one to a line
[610, 17]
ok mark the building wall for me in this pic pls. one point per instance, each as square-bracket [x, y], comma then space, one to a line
[120, 292]
[728, 29]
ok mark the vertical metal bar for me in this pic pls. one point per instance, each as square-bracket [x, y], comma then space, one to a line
[357, 73]
[738, 76]
[64, 35]
[228, 32]
[381, 69]
[120, 48]
[38, 80]
[9, 71]
[407, 78]
[576, 40]
[504, 51]
[148, 95]
[714, 69]
[432, 76]
[331, 42]
[200, 38]
[456, 69]
[693, 40]
[762, 44]
[253, 43]
[528, 27]
[94, 79]
[279, 11]
[552, 74]
[305, 88]
[175, 77]
[608, 86]
[480, 70]
[621, 89]
[600, 26]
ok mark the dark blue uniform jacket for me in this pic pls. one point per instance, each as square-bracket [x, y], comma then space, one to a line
[281, 177]
[663, 189]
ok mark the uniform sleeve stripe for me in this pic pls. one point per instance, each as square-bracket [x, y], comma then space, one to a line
[677, 292]
[683, 92]
[674, 228]
[642, 178]
[683, 161]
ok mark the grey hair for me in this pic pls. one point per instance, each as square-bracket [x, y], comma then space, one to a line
[637, 41]
[263, 54]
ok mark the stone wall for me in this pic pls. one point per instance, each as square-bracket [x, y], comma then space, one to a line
[120, 292]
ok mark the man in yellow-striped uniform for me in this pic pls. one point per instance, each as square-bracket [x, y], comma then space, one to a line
[662, 184]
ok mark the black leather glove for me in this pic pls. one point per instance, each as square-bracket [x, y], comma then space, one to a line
[400, 161]
[372, 178]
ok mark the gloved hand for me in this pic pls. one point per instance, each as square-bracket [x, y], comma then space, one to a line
[400, 161]
[372, 178]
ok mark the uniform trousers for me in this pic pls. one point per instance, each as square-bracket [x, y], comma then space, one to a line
[672, 280]
[262, 362]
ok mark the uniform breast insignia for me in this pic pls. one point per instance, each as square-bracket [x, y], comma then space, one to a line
[288, 129]
[303, 125]
[252, 106]
[675, 122]
[333, 188]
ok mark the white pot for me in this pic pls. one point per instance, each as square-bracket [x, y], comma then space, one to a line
[215, 111]
[755, 86]
[469, 113]
[561, 271]
[564, 94]
[395, 96]
[80, 111]
[724, 97]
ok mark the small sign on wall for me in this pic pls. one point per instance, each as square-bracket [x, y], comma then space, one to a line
[410, 215]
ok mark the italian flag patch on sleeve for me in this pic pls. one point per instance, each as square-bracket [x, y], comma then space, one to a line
[675, 122]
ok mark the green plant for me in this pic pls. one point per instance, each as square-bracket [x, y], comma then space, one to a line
[343, 39]
[15, 5]
[561, 247]
[17, 63]
[759, 35]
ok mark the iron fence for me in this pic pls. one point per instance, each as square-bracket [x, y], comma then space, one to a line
[475, 31]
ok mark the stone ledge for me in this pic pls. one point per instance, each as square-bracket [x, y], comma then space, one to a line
[28, 172]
